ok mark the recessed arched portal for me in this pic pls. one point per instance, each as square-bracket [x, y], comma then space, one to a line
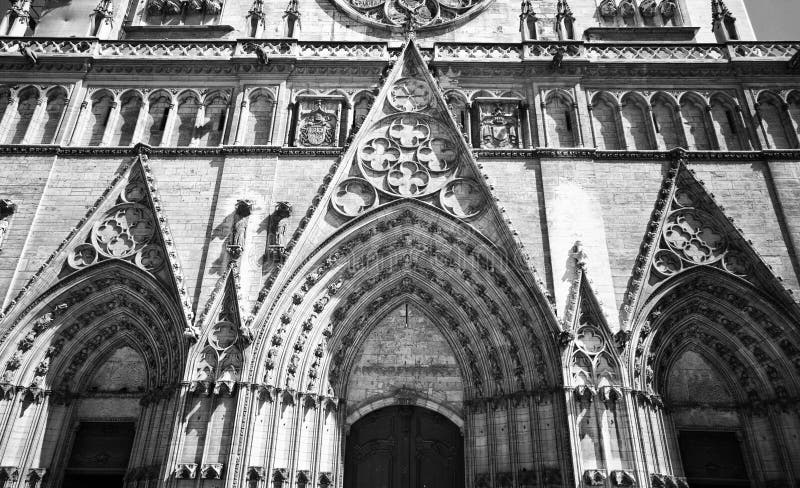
[404, 447]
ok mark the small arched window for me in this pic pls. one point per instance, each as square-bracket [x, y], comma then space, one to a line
[157, 115]
[125, 125]
[56, 103]
[666, 129]
[102, 103]
[635, 123]
[725, 119]
[211, 130]
[261, 108]
[693, 110]
[21, 120]
[794, 110]
[457, 105]
[5, 101]
[188, 106]
[604, 115]
[361, 107]
[560, 121]
[772, 120]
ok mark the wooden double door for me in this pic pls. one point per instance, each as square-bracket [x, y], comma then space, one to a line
[404, 447]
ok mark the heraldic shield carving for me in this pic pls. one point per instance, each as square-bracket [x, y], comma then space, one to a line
[499, 125]
[416, 14]
[317, 125]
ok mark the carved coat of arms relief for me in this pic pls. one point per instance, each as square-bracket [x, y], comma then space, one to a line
[317, 123]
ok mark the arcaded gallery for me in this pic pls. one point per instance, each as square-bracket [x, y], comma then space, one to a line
[398, 244]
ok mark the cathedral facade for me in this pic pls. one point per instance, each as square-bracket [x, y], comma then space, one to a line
[397, 244]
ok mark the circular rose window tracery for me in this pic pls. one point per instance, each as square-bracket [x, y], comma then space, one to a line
[419, 14]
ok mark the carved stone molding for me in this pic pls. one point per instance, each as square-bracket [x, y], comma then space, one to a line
[623, 478]
[256, 473]
[9, 473]
[594, 477]
[185, 471]
[212, 471]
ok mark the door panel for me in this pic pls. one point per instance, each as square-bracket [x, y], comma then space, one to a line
[404, 447]
[712, 459]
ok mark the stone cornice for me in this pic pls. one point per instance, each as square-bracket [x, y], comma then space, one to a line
[233, 56]
[52, 149]
[481, 154]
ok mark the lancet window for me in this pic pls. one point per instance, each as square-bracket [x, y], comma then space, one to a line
[606, 120]
[694, 111]
[776, 125]
[259, 116]
[31, 115]
[561, 128]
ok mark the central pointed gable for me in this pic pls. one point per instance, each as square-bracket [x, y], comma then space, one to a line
[409, 148]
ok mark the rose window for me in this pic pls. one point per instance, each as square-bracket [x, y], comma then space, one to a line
[410, 95]
[419, 14]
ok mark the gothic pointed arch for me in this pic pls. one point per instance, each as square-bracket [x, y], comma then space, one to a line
[73, 333]
[354, 268]
[744, 341]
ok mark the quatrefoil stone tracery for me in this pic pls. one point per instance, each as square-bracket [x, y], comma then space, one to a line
[126, 229]
[408, 178]
[692, 235]
[409, 131]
